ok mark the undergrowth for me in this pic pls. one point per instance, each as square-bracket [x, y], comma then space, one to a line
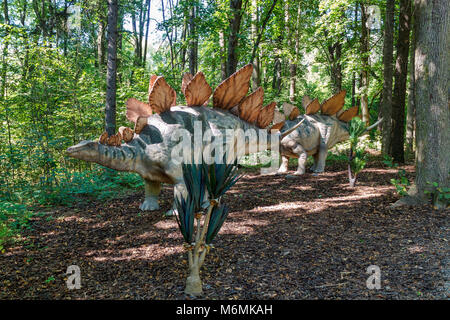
[19, 203]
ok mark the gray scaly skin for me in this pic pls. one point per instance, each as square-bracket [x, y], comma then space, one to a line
[314, 137]
[149, 153]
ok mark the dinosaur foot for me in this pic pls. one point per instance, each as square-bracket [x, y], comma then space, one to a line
[316, 173]
[149, 205]
[296, 174]
[170, 213]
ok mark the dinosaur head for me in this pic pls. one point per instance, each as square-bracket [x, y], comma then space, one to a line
[85, 150]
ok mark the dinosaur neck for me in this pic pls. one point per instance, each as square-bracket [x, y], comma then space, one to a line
[121, 158]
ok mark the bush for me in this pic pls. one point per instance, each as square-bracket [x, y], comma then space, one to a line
[72, 187]
[13, 218]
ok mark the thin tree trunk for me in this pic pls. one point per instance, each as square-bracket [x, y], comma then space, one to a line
[388, 72]
[110, 111]
[400, 76]
[170, 39]
[256, 80]
[120, 21]
[4, 82]
[235, 24]
[335, 52]
[183, 39]
[411, 110]
[365, 65]
[149, 3]
[257, 36]
[293, 61]
[276, 82]
[192, 39]
[353, 89]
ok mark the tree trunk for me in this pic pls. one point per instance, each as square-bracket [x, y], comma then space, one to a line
[257, 36]
[335, 52]
[235, 24]
[365, 65]
[193, 282]
[353, 89]
[192, 40]
[411, 110]
[293, 61]
[388, 56]
[110, 112]
[276, 81]
[4, 83]
[400, 76]
[144, 57]
[256, 80]
[431, 98]
[169, 36]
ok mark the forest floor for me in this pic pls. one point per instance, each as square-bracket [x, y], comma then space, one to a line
[306, 237]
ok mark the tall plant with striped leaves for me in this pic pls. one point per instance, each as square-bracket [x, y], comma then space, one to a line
[357, 156]
[201, 213]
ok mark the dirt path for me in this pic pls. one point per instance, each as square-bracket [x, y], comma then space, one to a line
[310, 237]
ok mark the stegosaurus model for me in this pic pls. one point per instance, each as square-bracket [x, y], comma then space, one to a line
[147, 149]
[317, 133]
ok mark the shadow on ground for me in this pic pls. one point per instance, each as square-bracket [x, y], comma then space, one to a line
[307, 237]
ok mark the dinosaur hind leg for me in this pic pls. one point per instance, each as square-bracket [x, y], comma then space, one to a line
[152, 190]
[316, 160]
[179, 191]
[284, 164]
[322, 157]
[302, 157]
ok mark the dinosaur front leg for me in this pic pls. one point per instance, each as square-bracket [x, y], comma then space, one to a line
[152, 190]
[284, 164]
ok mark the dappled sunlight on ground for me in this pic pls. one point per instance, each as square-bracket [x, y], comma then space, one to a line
[147, 252]
[305, 237]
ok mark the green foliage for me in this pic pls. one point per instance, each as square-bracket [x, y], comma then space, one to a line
[357, 156]
[401, 184]
[13, 218]
[185, 218]
[218, 216]
[359, 161]
[52, 82]
[356, 128]
[219, 178]
[389, 161]
[439, 194]
[194, 177]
